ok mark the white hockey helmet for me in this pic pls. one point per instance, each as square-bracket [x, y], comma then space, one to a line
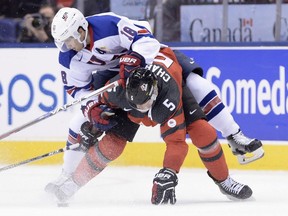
[65, 25]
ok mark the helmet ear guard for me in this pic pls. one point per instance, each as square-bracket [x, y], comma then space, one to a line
[140, 87]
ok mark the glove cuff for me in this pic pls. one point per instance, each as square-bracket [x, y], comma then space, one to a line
[166, 174]
[87, 109]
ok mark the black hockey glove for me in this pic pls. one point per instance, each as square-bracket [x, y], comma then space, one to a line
[163, 190]
[100, 115]
[128, 62]
[88, 136]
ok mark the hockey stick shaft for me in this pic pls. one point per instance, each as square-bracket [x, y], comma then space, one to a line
[59, 109]
[40, 157]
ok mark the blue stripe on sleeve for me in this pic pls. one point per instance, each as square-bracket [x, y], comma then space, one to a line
[137, 37]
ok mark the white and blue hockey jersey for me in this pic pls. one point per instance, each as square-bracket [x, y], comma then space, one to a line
[111, 36]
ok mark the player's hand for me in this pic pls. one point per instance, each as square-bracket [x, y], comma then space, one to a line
[164, 184]
[88, 136]
[100, 115]
[129, 62]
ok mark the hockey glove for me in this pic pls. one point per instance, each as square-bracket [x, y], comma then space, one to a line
[100, 115]
[163, 190]
[129, 62]
[88, 136]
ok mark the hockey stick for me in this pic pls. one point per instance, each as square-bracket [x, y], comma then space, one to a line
[40, 157]
[62, 108]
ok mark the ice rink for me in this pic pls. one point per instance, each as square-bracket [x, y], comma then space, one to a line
[127, 190]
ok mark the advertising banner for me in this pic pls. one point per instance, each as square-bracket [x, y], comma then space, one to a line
[30, 87]
[253, 83]
[246, 23]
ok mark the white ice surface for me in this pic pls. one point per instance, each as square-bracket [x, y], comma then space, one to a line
[126, 191]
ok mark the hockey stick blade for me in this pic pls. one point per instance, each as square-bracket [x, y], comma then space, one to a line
[62, 108]
[40, 157]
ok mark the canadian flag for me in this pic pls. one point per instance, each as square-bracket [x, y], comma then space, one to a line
[247, 22]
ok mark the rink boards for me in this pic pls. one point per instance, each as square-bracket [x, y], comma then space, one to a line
[250, 80]
[141, 154]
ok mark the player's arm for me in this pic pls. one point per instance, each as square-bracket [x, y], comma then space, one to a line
[141, 45]
[139, 39]
[76, 78]
[174, 133]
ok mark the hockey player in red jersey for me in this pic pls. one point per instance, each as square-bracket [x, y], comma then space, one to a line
[96, 43]
[154, 95]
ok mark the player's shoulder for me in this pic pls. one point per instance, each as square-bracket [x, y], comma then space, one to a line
[104, 25]
[104, 18]
[65, 58]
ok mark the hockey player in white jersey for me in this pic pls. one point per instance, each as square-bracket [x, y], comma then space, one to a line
[95, 43]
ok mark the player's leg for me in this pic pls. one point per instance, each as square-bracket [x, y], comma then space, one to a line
[99, 156]
[72, 158]
[94, 162]
[217, 114]
[204, 137]
[221, 119]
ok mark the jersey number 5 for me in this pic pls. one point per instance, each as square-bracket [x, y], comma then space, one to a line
[169, 105]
